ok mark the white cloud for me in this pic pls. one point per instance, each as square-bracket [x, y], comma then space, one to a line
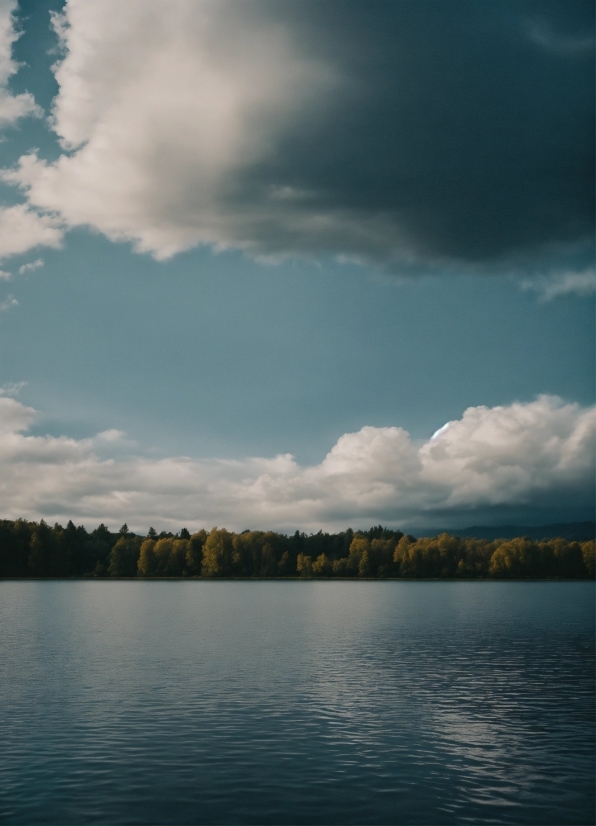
[8, 303]
[162, 104]
[562, 283]
[22, 229]
[12, 388]
[538, 454]
[33, 265]
[290, 129]
[12, 107]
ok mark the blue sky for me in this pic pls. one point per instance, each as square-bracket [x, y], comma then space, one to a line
[258, 230]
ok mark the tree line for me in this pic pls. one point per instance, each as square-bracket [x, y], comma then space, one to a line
[34, 549]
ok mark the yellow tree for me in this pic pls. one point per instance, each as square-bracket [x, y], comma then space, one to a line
[322, 566]
[147, 564]
[304, 565]
[217, 553]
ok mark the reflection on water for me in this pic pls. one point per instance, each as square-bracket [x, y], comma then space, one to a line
[296, 702]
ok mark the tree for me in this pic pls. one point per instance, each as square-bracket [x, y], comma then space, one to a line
[41, 551]
[358, 548]
[284, 564]
[364, 565]
[162, 551]
[147, 564]
[268, 561]
[516, 558]
[124, 556]
[341, 567]
[304, 565]
[194, 552]
[588, 557]
[217, 553]
[567, 558]
[176, 564]
[322, 566]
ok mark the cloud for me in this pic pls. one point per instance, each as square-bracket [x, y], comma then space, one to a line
[563, 283]
[22, 229]
[32, 265]
[8, 303]
[568, 44]
[538, 455]
[12, 388]
[414, 136]
[12, 107]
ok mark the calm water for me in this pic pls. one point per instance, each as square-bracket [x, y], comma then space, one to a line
[296, 702]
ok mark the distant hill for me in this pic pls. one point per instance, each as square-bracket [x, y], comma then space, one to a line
[571, 531]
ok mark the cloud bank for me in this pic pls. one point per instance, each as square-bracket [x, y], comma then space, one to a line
[537, 455]
[414, 136]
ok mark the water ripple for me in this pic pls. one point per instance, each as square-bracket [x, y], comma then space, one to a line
[296, 702]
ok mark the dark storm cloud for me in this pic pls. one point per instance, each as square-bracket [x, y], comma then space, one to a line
[415, 135]
[467, 127]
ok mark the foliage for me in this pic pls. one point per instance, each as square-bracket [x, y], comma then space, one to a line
[34, 549]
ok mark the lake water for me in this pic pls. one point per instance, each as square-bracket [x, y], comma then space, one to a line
[296, 702]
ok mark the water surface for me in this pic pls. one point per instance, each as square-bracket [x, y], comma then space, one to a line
[296, 702]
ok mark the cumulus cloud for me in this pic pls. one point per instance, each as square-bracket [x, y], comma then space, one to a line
[12, 388]
[539, 455]
[8, 303]
[163, 107]
[12, 107]
[31, 266]
[22, 229]
[563, 283]
[414, 136]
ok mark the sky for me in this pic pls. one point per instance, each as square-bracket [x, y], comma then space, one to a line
[299, 265]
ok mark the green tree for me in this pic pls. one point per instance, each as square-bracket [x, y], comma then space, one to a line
[41, 551]
[268, 561]
[194, 552]
[284, 566]
[124, 556]
[567, 559]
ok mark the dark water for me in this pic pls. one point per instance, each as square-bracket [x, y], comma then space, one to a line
[296, 702]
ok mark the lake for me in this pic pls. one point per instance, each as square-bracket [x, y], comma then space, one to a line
[296, 702]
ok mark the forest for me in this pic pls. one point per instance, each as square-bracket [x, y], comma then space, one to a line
[37, 550]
